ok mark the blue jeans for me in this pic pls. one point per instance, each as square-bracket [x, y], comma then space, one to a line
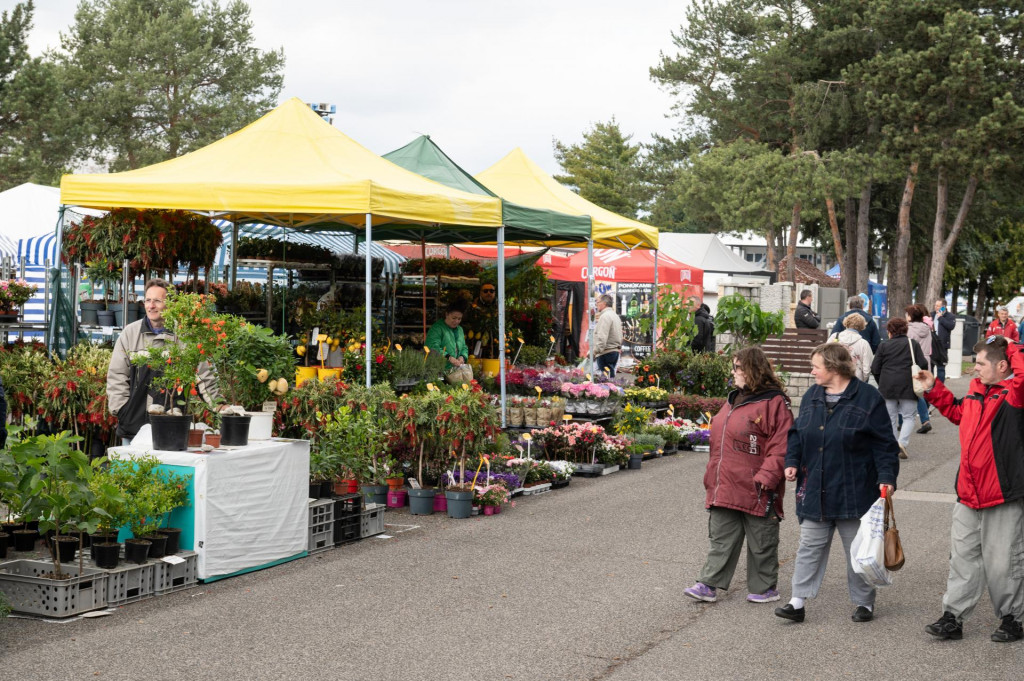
[940, 372]
[606, 361]
[922, 410]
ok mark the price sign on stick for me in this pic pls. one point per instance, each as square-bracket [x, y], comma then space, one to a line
[567, 417]
[398, 346]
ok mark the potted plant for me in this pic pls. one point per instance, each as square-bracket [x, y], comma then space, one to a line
[151, 493]
[491, 497]
[14, 293]
[467, 420]
[109, 499]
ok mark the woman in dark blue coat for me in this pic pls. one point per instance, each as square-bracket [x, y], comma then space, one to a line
[841, 454]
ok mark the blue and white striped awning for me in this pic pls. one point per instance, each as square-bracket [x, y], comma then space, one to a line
[37, 250]
[339, 242]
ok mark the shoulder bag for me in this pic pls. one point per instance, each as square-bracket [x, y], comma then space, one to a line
[893, 548]
[914, 371]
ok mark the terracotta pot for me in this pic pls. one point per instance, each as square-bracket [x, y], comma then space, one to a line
[395, 483]
[346, 486]
[195, 438]
[213, 440]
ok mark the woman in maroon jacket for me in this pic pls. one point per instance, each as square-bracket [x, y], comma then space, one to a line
[744, 481]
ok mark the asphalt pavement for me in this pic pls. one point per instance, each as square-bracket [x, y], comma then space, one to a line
[581, 583]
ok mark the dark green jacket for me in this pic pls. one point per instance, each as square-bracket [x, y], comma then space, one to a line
[448, 341]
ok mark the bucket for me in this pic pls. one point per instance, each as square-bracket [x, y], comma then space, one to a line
[303, 374]
[234, 430]
[261, 425]
[328, 373]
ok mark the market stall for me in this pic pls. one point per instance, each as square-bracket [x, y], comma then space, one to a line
[247, 507]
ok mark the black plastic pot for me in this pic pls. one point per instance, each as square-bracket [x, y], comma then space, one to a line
[90, 310]
[173, 535]
[170, 433]
[157, 545]
[106, 555]
[635, 461]
[67, 545]
[105, 317]
[234, 430]
[25, 540]
[3, 544]
[100, 538]
[136, 550]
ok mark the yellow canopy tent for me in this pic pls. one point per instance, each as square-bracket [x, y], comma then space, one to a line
[290, 168]
[517, 178]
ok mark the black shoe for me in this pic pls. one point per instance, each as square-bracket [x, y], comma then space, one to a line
[1010, 630]
[947, 627]
[862, 614]
[926, 427]
[788, 612]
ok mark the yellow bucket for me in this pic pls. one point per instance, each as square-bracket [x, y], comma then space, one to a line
[491, 367]
[328, 373]
[303, 374]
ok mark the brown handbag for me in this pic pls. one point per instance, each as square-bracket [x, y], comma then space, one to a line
[894, 558]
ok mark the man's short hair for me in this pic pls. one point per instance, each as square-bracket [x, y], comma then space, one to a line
[805, 293]
[606, 299]
[855, 303]
[994, 348]
[161, 283]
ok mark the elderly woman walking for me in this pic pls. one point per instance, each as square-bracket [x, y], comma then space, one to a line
[891, 369]
[842, 454]
[744, 481]
[859, 349]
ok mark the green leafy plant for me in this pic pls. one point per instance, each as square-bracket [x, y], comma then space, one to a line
[632, 419]
[648, 441]
[150, 492]
[532, 355]
[706, 374]
[746, 321]
[252, 357]
[670, 434]
[675, 319]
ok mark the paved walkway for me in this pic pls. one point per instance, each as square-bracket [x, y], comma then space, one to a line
[583, 583]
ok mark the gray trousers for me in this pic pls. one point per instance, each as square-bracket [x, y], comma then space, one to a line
[986, 547]
[726, 530]
[812, 559]
[908, 410]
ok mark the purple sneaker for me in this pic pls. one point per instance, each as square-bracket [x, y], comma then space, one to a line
[703, 592]
[767, 597]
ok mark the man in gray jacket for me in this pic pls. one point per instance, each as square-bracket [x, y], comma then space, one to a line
[607, 337]
[128, 386]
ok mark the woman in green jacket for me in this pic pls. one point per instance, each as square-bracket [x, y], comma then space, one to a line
[447, 338]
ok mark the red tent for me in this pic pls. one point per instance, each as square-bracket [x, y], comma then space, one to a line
[635, 267]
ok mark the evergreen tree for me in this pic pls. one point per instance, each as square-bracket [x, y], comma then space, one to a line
[605, 169]
[154, 79]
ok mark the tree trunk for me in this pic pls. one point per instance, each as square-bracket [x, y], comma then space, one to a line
[899, 288]
[794, 234]
[770, 244]
[834, 226]
[982, 306]
[942, 244]
[952, 303]
[972, 288]
[849, 264]
[863, 232]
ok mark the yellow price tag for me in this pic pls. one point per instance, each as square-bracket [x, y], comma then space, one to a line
[465, 386]
[537, 388]
[567, 417]
[551, 338]
[521, 341]
[671, 410]
[589, 377]
[430, 386]
[527, 437]
[398, 346]
[426, 349]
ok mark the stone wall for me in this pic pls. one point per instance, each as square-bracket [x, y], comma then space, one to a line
[797, 385]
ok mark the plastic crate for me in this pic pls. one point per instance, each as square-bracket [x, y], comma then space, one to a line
[129, 583]
[371, 521]
[28, 592]
[348, 504]
[168, 577]
[321, 512]
[347, 529]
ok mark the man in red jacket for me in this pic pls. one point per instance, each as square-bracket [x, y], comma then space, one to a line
[1002, 325]
[987, 536]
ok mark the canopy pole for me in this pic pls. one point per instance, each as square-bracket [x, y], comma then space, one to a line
[368, 297]
[501, 320]
[50, 337]
[591, 305]
[423, 283]
[234, 255]
[654, 306]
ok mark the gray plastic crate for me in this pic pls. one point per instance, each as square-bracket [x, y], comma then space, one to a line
[321, 538]
[29, 592]
[371, 521]
[128, 583]
[168, 578]
[321, 512]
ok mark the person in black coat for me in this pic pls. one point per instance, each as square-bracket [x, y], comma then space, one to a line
[3, 415]
[869, 332]
[804, 317]
[704, 341]
[944, 323]
[891, 369]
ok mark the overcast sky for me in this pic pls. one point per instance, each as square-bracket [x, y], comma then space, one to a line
[481, 78]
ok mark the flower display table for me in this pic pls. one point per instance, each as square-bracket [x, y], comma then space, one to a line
[247, 506]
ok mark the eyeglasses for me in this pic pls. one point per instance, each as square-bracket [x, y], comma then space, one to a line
[155, 301]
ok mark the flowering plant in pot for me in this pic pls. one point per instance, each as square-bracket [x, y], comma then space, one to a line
[14, 293]
[492, 495]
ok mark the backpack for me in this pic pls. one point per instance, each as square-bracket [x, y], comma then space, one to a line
[939, 354]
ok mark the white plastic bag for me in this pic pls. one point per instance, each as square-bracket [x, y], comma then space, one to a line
[867, 553]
